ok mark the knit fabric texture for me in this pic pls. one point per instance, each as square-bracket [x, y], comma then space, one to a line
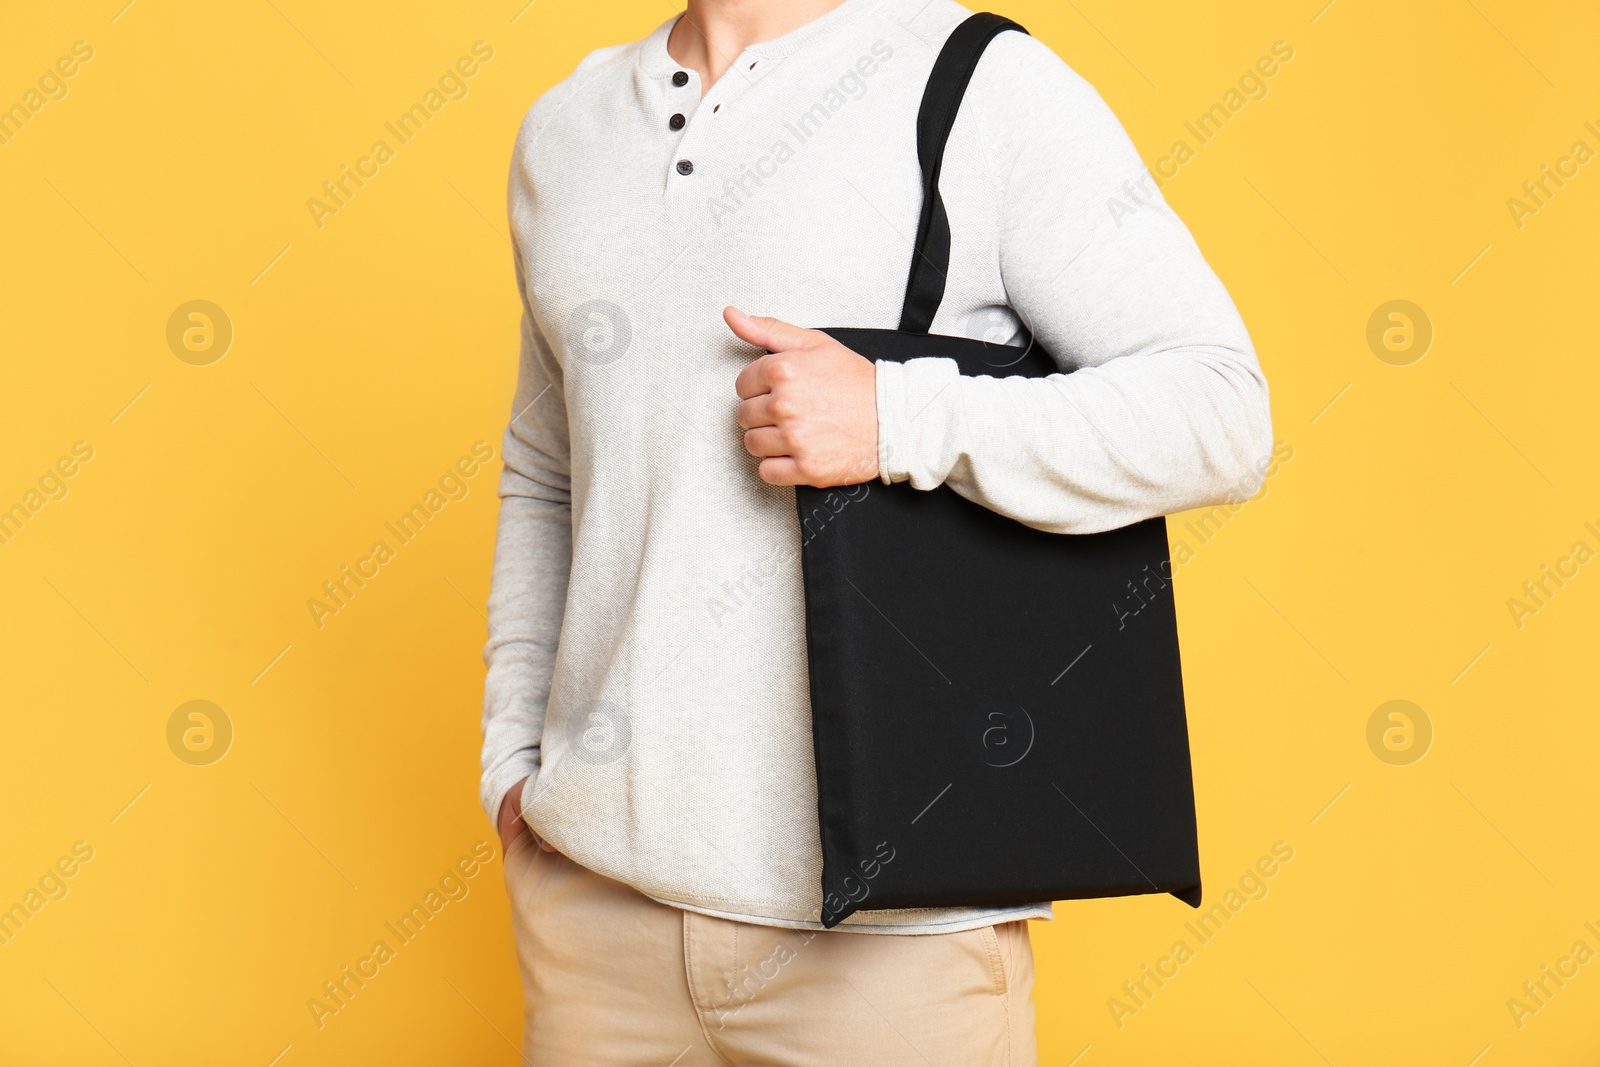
[646, 654]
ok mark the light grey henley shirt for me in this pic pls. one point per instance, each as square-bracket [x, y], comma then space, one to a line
[646, 654]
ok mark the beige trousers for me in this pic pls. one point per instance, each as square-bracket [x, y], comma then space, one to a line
[611, 977]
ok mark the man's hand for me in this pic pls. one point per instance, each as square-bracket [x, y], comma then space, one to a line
[810, 407]
[511, 824]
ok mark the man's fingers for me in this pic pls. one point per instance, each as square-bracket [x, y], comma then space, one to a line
[774, 335]
[781, 470]
[763, 331]
[752, 380]
[765, 441]
[757, 411]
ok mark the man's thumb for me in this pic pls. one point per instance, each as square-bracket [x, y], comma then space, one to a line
[774, 335]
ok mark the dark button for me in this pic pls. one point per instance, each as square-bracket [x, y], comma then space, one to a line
[680, 79]
[685, 167]
[676, 122]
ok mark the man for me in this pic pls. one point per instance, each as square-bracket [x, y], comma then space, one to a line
[647, 710]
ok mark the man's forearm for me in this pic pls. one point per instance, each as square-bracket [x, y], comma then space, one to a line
[1094, 450]
[532, 561]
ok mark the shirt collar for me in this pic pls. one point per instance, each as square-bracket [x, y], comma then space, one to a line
[657, 62]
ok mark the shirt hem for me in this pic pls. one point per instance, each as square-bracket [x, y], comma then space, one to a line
[966, 920]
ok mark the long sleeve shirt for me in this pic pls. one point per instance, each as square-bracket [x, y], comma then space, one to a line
[646, 655]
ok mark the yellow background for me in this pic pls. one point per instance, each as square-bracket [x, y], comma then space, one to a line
[371, 353]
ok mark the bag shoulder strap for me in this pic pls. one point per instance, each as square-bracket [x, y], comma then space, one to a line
[947, 84]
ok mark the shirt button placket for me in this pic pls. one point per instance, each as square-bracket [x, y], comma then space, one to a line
[680, 79]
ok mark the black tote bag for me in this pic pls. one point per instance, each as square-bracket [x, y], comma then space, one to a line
[998, 711]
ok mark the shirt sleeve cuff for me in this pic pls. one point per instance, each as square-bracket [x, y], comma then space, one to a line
[918, 404]
[499, 779]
